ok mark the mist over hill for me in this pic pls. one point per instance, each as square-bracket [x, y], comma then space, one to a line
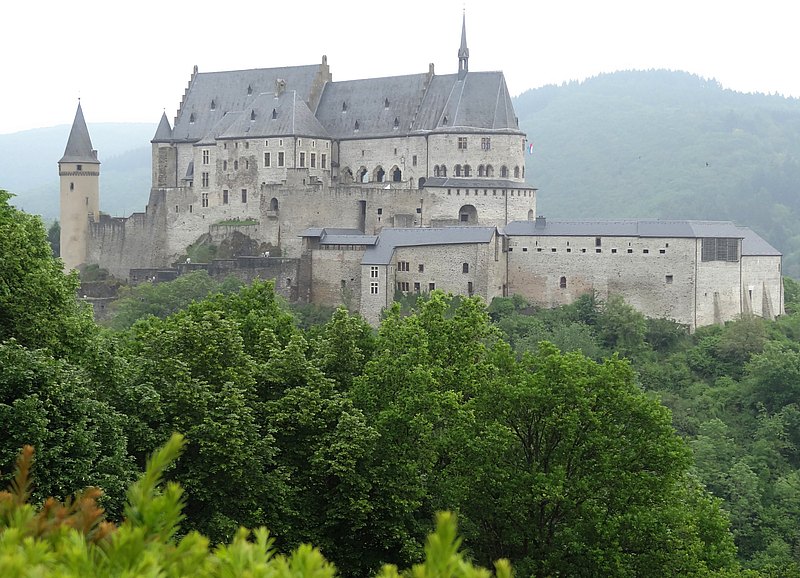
[29, 166]
[645, 144]
[666, 145]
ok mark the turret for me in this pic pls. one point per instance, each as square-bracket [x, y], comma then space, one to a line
[79, 171]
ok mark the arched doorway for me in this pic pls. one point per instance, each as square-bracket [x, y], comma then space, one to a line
[468, 215]
[421, 182]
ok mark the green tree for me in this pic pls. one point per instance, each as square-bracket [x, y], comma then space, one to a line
[54, 238]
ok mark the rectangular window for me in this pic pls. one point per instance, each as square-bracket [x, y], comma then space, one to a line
[224, 196]
[403, 286]
[720, 250]
[373, 272]
[416, 288]
[486, 144]
[402, 266]
[204, 179]
[373, 288]
[421, 268]
[299, 142]
[205, 156]
[414, 161]
[668, 279]
[431, 286]
[204, 200]
[302, 160]
[244, 195]
[267, 160]
[324, 161]
[266, 143]
[462, 143]
[313, 160]
[469, 288]
[281, 158]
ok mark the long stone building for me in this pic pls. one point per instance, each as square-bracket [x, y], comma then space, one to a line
[406, 183]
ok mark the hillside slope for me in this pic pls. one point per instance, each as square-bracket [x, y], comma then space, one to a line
[668, 145]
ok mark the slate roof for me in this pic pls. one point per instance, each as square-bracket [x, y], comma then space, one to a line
[79, 145]
[271, 115]
[333, 236]
[389, 239]
[164, 130]
[755, 246]
[479, 102]
[467, 183]
[365, 101]
[625, 228]
[232, 91]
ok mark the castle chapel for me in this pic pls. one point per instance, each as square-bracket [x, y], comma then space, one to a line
[331, 181]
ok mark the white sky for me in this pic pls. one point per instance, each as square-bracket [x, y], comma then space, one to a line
[129, 61]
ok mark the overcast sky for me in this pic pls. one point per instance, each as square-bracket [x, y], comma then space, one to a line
[130, 61]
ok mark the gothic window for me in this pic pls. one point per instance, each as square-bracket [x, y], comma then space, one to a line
[252, 115]
[436, 170]
[363, 175]
[481, 171]
[191, 118]
[274, 113]
[516, 172]
[442, 171]
[213, 104]
[380, 174]
[396, 175]
[396, 122]
[457, 171]
[720, 250]
[504, 172]
[467, 170]
[386, 103]
[489, 171]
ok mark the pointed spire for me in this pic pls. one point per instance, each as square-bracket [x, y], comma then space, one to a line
[463, 51]
[79, 145]
[164, 130]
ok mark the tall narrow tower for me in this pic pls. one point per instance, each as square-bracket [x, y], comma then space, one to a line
[79, 170]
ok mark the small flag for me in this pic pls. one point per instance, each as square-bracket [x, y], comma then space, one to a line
[530, 148]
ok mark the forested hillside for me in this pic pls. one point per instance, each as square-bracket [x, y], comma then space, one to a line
[668, 145]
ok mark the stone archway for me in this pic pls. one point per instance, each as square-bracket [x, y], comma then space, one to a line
[468, 215]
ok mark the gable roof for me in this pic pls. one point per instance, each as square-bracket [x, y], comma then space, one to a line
[753, 245]
[211, 94]
[270, 115]
[79, 145]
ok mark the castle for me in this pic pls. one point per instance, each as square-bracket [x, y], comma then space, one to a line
[349, 191]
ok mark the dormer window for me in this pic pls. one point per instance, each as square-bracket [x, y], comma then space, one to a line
[191, 118]
[444, 121]
[344, 107]
[396, 123]
[252, 115]
[213, 105]
[249, 90]
[355, 126]
[386, 103]
[274, 114]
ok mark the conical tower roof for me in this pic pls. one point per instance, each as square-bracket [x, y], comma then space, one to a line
[79, 146]
[164, 130]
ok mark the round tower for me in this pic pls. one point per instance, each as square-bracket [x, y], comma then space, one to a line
[79, 171]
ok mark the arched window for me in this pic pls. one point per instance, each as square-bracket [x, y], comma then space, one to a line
[347, 175]
[396, 175]
[562, 283]
[481, 171]
[363, 175]
[489, 171]
[504, 172]
[379, 174]
[273, 205]
[235, 165]
[516, 172]
[72, 186]
[467, 170]
[530, 215]
[443, 171]
[457, 171]
[465, 267]
[436, 170]
[421, 182]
